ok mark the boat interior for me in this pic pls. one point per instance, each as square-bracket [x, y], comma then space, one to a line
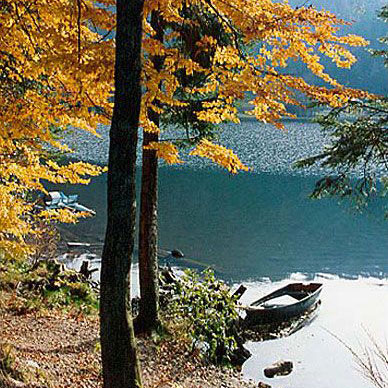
[297, 291]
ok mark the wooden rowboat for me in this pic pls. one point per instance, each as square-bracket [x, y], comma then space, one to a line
[274, 307]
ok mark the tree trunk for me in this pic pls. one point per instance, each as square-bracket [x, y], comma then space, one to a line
[120, 365]
[148, 318]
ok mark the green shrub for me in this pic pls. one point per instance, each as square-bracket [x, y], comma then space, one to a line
[209, 313]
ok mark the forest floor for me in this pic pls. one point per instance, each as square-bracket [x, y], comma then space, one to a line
[60, 349]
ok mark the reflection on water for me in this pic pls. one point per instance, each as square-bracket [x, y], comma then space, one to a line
[352, 311]
[252, 226]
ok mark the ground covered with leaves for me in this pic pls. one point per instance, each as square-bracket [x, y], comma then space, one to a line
[60, 348]
[49, 333]
[49, 336]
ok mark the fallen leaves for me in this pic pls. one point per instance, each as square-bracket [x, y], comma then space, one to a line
[65, 349]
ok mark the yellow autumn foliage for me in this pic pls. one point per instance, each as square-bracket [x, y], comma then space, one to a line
[220, 155]
[281, 33]
[54, 71]
[165, 150]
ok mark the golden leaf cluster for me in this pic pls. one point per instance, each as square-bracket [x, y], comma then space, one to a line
[165, 150]
[56, 71]
[220, 155]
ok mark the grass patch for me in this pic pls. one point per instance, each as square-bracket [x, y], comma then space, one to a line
[8, 370]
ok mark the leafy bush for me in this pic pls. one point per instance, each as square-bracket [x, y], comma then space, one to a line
[208, 311]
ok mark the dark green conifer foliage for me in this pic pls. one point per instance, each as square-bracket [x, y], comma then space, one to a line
[357, 157]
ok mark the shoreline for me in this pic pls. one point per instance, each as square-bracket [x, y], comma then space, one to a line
[48, 341]
[57, 342]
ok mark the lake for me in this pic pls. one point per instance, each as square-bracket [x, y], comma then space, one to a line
[260, 227]
[255, 226]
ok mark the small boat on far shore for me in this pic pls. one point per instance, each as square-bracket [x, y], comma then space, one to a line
[283, 304]
[58, 200]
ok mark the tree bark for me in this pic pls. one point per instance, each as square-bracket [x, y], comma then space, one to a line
[120, 365]
[148, 318]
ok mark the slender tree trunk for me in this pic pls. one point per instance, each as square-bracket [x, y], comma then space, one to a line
[148, 318]
[120, 364]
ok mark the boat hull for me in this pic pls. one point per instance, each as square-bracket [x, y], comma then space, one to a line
[306, 297]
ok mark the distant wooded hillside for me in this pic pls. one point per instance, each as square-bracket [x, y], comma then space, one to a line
[369, 72]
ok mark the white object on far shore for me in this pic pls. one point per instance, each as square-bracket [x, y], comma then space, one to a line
[58, 200]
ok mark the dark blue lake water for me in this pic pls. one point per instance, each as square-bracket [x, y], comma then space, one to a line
[253, 226]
